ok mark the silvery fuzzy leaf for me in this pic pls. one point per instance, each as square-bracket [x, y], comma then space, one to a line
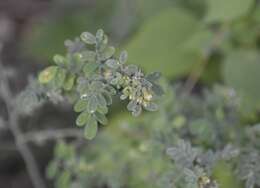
[154, 76]
[82, 118]
[90, 68]
[92, 104]
[190, 176]
[137, 110]
[183, 154]
[131, 69]
[102, 109]
[207, 160]
[107, 53]
[88, 38]
[80, 105]
[100, 35]
[123, 57]
[112, 63]
[250, 182]
[151, 107]
[101, 118]
[131, 105]
[101, 100]
[74, 46]
[123, 97]
[107, 97]
[229, 152]
[157, 89]
[89, 56]
[110, 89]
[60, 60]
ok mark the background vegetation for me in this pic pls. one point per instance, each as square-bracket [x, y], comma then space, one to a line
[206, 131]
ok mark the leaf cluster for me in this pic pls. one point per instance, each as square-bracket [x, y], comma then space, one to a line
[90, 74]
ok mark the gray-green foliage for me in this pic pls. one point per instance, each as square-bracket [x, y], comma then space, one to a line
[90, 74]
[209, 125]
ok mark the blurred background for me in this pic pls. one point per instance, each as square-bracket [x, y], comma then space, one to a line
[198, 43]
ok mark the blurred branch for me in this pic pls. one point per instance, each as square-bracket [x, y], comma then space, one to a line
[41, 136]
[197, 72]
[8, 98]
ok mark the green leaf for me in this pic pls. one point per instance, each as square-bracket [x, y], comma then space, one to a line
[107, 97]
[92, 104]
[69, 82]
[80, 105]
[90, 68]
[83, 118]
[102, 109]
[241, 72]
[107, 53]
[91, 128]
[89, 56]
[159, 43]
[101, 100]
[131, 105]
[227, 10]
[137, 111]
[112, 63]
[48, 74]
[88, 38]
[60, 77]
[59, 60]
[101, 118]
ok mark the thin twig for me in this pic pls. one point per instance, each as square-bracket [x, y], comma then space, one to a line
[24, 150]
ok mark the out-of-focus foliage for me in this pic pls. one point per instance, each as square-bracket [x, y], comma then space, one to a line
[226, 11]
[178, 43]
[161, 41]
[133, 152]
[248, 62]
[205, 41]
[65, 20]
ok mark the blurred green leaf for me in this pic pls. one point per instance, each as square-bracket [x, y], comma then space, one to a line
[225, 177]
[64, 180]
[241, 71]
[227, 10]
[53, 169]
[159, 44]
